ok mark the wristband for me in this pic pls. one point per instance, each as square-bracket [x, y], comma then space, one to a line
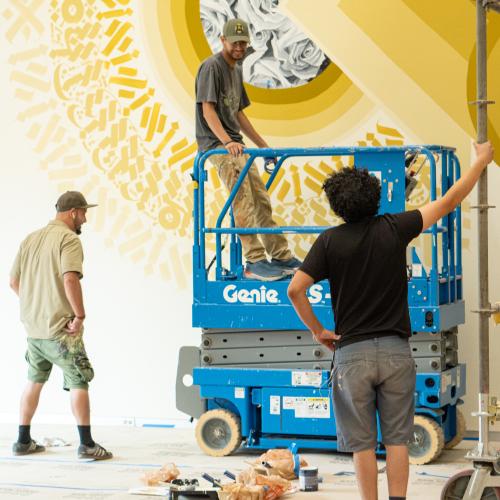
[80, 317]
[226, 143]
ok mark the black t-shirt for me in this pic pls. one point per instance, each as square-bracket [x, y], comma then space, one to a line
[365, 263]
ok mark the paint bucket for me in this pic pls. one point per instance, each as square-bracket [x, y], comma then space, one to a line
[308, 479]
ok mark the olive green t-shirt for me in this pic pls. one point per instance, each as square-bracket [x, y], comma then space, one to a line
[43, 258]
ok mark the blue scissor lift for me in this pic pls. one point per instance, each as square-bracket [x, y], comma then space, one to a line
[259, 379]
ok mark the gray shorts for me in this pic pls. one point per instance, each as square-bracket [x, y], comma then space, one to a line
[369, 376]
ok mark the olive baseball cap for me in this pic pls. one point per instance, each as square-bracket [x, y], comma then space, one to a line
[236, 30]
[72, 199]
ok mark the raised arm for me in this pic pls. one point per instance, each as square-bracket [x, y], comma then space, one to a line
[435, 210]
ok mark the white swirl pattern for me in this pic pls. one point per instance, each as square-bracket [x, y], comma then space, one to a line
[280, 55]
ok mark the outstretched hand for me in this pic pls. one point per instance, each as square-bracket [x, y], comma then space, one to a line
[484, 152]
[327, 338]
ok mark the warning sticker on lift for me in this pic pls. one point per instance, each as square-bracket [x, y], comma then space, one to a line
[275, 405]
[239, 393]
[306, 378]
[308, 407]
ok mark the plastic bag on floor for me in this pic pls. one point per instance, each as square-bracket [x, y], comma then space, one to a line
[278, 462]
[274, 485]
[164, 475]
[238, 491]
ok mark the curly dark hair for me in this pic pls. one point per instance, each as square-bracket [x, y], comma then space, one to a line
[353, 194]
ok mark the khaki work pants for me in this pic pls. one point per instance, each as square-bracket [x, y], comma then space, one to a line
[251, 208]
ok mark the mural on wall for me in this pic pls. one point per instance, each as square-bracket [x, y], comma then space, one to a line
[93, 103]
[280, 55]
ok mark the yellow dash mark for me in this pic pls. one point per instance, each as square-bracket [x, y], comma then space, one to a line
[126, 94]
[97, 70]
[166, 138]
[214, 178]
[54, 155]
[89, 103]
[133, 228]
[381, 129]
[72, 160]
[59, 135]
[87, 51]
[312, 185]
[138, 255]
[135, 242]
[102, 119]
[125, 44]
[179, 145]
[30, 81]
[145, 116]
[153, 122]
[118, 226]
[121, 59]
[96, 27]
[161, 123]
[49, 130]
[26, 55]
[112, 110]
[114, 13]
[283, 191]
[38, 69]
[122, 124]
[183, 154]
[67, 173]
[276, 182]
[24, 95]
[133, 146]
[127, 71]
[187, 165]
[38, 109]
[156, 171]
[297, 189]
[99, 95]
[112, 27]
[140, 101]
[309, 169]
[393, 142]
[34, 131]
[128, 82]
[155, 253]
[152, 183]
[325, 168]
[177, 267]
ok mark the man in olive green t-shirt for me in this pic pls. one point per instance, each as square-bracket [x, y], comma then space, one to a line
[46, 276]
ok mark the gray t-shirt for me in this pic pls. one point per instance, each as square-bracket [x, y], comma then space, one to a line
[217, 82]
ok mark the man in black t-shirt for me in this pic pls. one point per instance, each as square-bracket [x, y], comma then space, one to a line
[364, 261]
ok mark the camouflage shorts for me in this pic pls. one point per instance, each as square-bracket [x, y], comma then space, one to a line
[65, 351]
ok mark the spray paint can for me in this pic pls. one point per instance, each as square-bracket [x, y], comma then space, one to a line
[308, 479]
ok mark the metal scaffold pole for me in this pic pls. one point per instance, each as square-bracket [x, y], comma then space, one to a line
[484, 481]
[482, 218]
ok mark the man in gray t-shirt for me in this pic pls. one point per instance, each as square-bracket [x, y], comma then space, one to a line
[220, 101]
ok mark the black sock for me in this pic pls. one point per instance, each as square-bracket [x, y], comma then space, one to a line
[85, 435]
[24, 434]
[397, 498]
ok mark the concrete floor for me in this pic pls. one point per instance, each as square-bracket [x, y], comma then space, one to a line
[57, 473]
